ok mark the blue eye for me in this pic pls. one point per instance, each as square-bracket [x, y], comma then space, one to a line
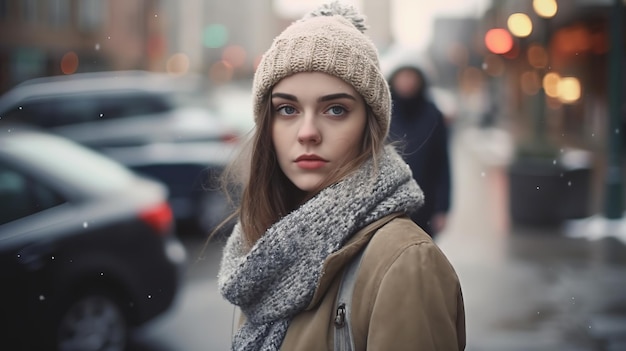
[286, 110]
[337, 110]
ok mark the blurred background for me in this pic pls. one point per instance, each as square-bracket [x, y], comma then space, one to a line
[532, 92]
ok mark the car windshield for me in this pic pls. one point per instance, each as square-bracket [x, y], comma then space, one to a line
[79, 166]
[59, 110]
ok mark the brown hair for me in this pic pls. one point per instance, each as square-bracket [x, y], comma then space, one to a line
[265, 193]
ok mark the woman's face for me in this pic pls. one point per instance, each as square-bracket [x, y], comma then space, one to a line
[318, 123]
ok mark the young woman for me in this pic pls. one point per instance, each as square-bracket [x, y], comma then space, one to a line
[320, 187]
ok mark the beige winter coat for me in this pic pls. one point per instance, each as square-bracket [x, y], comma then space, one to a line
[406, 296]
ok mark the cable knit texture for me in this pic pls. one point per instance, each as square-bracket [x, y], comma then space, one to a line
[329, 40]
[276, 279]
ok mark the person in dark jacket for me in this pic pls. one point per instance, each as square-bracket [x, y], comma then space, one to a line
[418, 126]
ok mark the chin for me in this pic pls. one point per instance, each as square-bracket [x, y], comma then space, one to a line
[307, 184]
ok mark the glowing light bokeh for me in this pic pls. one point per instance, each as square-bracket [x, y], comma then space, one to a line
[569, 89]
[215, 36]
[178, 64]
[551, 84]
[520, 25]
[498, 40]
[69, 63]
[545, 8]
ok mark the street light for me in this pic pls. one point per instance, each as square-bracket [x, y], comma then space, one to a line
[545, 8]
[569, 89]
[498, 40]
[520, 25]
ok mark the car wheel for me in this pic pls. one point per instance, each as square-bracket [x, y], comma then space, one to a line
[94, 322]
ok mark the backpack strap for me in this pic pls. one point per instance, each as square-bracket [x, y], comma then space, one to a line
[343, 331]
[343, 340]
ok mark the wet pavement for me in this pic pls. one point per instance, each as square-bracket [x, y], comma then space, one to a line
[527, 289]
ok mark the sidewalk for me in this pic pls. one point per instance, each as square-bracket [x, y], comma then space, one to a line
[527, 290]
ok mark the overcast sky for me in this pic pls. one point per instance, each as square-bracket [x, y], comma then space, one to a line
[417, 16]
[409, 16]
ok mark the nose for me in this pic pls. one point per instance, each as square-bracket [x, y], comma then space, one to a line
[309, 131]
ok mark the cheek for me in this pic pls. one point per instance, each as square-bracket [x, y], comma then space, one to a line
[280, 140]
[277, 132]
[275, 140]
[350, 147]
[351, 140]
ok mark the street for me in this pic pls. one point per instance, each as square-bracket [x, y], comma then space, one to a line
[200, 319]
[524, 290]
[527, 289]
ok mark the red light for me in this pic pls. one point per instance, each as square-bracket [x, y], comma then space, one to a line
[69, 63]
[159, 217]
[498, 40]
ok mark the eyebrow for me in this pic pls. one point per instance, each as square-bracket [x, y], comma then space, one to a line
[321, 99]
[336, 97]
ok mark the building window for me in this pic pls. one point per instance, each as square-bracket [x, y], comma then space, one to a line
[59, 13]
[91, 14]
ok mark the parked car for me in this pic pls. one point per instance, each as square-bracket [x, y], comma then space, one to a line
[144, 120]
[88, 249]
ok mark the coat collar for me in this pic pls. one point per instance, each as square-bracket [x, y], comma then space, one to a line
[335, 262]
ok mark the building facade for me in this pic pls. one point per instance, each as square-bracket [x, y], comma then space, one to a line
[221, 39]
[51, 37]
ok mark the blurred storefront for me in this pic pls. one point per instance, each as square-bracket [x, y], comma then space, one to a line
[553, 67]
[540, 69]
[217, 39]
[42, 38]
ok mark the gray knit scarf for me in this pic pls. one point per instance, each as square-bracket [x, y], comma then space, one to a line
[276, 279]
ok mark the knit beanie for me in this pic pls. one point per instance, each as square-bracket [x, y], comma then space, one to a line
[331, 40]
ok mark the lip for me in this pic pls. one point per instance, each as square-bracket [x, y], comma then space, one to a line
[310, 162]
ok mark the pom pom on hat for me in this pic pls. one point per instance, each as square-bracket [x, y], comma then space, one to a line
[336, 8]
[330, 40]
